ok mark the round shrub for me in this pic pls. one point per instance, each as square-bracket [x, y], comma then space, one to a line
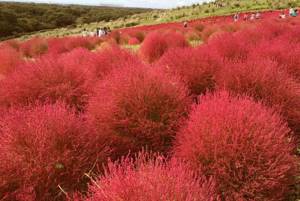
[156, 44]
[229, 47]
[264, 81]
[150, 179]
[285, 55]
[45, 150]
[9, 60]
[46, 80]
[199, 27]
[12, 43]
[56, 46]
[34, 47]
[113, 57]
[79, 42]
[136, 107]
[81, 59]
[140, 35]
[196, 67]
[133, 41]
[243, 144]
[208, 31]
[66, 44]
[192, 35]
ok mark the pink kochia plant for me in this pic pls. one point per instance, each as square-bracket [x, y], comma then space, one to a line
[156, 44]
[105, 60]
[264, 81]
[150, 178]
[138, 106]
[34, 47]
[196, 67]
[9, 59]
[47, 80]
[243, 144]
[45, 152]
[133, 41]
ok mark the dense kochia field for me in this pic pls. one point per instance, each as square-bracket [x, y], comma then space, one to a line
[85, 119]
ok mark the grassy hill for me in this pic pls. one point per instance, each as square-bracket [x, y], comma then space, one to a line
[20, 18]
[196, 11]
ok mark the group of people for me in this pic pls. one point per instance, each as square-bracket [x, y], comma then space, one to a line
[253, 16]
[102, 31]
[292, 13]
[98, 33]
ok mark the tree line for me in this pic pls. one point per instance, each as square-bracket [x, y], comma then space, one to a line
[21, 18]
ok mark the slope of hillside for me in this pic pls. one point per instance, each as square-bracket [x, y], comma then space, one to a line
[74, 110]
[20, 18]
[196, 11]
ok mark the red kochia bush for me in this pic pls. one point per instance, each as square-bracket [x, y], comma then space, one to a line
[133, 41]
[80, 59]
[264, 81]
[46, 80]
[9, 59]
[43, 149]
[286, 55]
[111, 58]
[140, 35]
[150, 179]
[243, 144]
[76, 42]
[15, 44]
[156, 44]
[34, 47]
[229, 47]
[136, 107]
[197, 67]
[62, 45]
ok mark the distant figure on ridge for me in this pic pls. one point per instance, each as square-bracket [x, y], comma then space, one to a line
[245, 17]
[236, 17]
[282, 15]
[293, 12]
[252, 17]
[185, 24]
[296, 12]
[105, 31]
[85, 33]
[108, 30]
[100, 32]
[257, 15]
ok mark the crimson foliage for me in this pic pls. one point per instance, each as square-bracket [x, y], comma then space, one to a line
[136, 107]
[34, 47]
[150, 178]
[43, 150]
[264, 81]
[243, 144]
[156, 44]
[196, 67]
[9, 60]
[110, 58]
[46, 80]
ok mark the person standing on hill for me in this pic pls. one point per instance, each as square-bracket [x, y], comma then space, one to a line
[282, 15]
[185, 24]
[293, 12]
[236, 17]
[105, 31]
[85, 33]
[257, 15]
[296, 13]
